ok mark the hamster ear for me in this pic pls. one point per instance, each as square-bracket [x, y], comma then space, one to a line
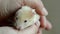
[33, 11]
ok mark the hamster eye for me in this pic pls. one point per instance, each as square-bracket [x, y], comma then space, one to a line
[25, 21]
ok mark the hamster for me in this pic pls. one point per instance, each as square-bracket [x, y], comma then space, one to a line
[25, 17]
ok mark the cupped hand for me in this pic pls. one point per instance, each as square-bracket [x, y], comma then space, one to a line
[9, 7]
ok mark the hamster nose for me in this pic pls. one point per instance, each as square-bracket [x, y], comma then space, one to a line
[19, 28]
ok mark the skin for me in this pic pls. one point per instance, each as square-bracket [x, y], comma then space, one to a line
[11, 6]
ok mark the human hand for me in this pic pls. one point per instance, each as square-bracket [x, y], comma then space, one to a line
[8, 7]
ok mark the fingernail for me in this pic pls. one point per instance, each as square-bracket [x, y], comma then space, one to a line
[45, 12]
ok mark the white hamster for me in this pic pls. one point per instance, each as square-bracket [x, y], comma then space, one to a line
[25, 17]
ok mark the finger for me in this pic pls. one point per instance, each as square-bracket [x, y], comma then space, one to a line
[40, 31]
[30, 30]
[38, 5]
[43, 21]
[48, 26]
[40, 9]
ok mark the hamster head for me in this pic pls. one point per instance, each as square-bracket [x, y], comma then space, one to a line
[24, 16]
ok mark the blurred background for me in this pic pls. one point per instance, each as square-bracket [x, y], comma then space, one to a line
[53, 7]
